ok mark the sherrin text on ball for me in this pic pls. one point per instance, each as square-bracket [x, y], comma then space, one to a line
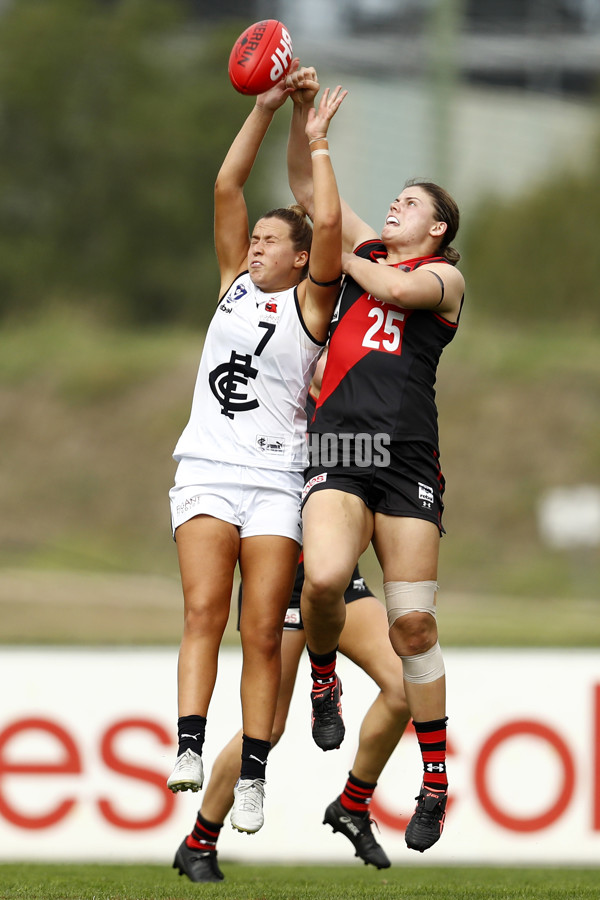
[260, 57]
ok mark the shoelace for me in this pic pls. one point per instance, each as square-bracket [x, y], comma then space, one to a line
[186, 758]
[365, 826]
[426, 814]
[328, 712]
[325, 692]
[251, 796]
[371, 821]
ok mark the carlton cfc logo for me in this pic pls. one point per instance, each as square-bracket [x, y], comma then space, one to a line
[227, 380]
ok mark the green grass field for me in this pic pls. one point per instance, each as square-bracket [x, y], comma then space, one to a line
[105, 882]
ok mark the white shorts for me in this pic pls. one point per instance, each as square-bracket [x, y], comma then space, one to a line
[257, 501]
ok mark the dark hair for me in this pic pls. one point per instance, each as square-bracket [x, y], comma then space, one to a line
[300, 228]
[445, 210]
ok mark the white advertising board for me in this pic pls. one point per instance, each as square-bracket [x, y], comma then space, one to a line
[87, 738]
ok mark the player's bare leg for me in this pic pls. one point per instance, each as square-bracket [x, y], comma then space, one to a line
[208, 550]
[268, 568]
[365, 641]
[337, 528]
[196, 857]
[408, 552]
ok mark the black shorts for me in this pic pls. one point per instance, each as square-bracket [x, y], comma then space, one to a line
[356, 589]
[410, 485]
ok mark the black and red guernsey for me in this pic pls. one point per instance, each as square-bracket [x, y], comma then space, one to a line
[381, 368]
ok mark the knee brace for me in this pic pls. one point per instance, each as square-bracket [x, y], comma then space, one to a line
[402, 597]
[424, 667]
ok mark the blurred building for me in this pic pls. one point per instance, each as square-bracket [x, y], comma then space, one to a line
[486, 96]
[550, 44]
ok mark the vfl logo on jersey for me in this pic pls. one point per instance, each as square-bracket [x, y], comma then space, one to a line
[227, 380]
[231, 299]
[269, 444]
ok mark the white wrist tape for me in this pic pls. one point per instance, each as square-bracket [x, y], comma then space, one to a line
[402, 597]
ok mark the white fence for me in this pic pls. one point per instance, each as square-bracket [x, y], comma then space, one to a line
[87, 738]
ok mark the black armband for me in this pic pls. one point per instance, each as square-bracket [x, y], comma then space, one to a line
[441, 283]
[326, 283]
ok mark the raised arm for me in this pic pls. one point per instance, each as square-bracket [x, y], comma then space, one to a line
[231, 214]
[305, 86]
[317, 294]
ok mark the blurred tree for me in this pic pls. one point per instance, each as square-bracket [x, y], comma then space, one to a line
[535, 258]
[114, 119]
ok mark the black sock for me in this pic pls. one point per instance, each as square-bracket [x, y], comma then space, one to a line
[205, 834]
[254, 757]
[357, 795]
[432, 741]
[322, 666]
[191, 733]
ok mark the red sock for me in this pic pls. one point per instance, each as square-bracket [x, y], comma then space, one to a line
[322, 667]
[204, 835]
[356, 796]
[432, 741]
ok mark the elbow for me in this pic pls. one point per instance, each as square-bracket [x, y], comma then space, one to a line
[303, 195]
[225, 188]
[220, 187]
[332, 223]
[398, 295]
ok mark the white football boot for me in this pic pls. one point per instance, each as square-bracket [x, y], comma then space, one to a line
[188, 773]
[247, 812]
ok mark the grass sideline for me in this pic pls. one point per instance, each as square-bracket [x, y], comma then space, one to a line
[146, 882]
[48, 608]
[86, 471]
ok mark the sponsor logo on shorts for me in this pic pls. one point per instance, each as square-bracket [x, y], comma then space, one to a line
[292, 617]
[318, 479]
[270, 443]
[348, 449]
[183, 508]
[426, 495]
[358, 584]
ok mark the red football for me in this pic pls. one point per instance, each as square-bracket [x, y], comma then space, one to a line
[260, 57]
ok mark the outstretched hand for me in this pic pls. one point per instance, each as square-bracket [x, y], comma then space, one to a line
[274, 97]
[304, 84]
[319, 119]
[278, 94]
